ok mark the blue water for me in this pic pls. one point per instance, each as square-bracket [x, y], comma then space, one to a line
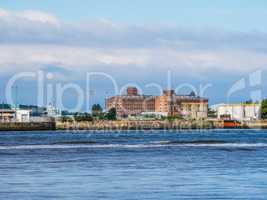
[156, 165]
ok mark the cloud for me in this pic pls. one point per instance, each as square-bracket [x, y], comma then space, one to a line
[39, 17]
[30, 15]
[31, 40]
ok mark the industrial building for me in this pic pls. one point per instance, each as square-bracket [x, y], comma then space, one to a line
[167, 104]
[240, 112]
[14, 115]
[131, 104]
[187, 106]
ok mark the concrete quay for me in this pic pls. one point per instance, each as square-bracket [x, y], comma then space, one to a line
[27, 126]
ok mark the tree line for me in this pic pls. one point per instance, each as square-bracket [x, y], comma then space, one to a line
[96, 114]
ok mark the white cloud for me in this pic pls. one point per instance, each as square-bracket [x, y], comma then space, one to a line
[31, 40]
[30, 15]
[30, 57]
[39, 17]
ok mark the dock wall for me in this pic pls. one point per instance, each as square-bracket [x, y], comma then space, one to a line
[134, 125]
[31, 126]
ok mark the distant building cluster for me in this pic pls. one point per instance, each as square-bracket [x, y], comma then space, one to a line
[167, 104]
[25, 113]
[13, 115]
[133, 105]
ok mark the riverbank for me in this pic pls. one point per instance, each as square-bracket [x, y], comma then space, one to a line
[130, 125]
[158, 125]
[27, 126]
[137, 125]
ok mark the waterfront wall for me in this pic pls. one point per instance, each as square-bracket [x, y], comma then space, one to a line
[258, 124]
[134, 125]
[125, 125]
[27, 126]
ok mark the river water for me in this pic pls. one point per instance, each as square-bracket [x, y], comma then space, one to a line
[156, 165]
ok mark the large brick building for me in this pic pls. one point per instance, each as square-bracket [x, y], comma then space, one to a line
[131, 104]
[188, 106]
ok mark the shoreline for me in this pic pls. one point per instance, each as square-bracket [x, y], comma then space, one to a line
[129, 125]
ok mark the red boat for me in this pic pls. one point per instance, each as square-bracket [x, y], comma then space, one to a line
[231, 124]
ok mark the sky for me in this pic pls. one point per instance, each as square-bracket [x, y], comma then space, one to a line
[189, 43]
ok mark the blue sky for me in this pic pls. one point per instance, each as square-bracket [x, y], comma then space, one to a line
[243, 15]
[139, 41]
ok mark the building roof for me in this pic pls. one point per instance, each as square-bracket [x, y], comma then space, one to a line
[237, 104]
[7, 111]
[132, 97]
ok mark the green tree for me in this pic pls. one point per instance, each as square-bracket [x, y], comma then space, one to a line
[66, 119]
[249, 101]
[83, 117]
[112, 114]
[172, 118]
[5, 106]
[212, 113]
[264, 109]
[96, 110]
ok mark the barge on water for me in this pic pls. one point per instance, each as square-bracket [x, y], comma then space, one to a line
[231, 124]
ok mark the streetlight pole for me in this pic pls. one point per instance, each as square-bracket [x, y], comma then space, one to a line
[16, 96]
[16, 90]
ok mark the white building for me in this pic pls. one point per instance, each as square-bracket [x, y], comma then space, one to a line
[53, 111]
[7, 115]
[22, 115]
[13, 115]
[239, 112]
